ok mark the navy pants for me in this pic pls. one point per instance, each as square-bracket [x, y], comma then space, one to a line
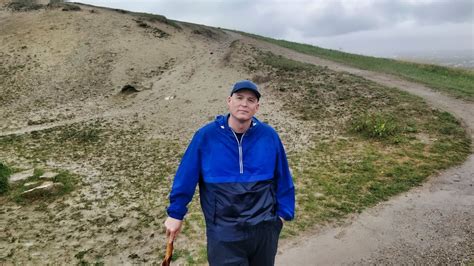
[258, 249]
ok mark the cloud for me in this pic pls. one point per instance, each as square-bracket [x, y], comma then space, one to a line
[367, 25]
[430, 12]
[401, 39]
[342, 17]
[312, 18]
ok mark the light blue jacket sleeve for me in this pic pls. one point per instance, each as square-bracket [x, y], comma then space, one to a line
[285, 188]
[185, 180]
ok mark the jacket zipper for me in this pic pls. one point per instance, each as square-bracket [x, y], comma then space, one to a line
[241, 160]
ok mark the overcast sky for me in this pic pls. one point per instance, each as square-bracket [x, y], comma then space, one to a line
[371, 27]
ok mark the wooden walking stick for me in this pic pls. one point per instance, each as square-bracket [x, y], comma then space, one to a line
[169, 253]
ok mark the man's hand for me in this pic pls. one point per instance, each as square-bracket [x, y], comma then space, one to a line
[282, 220]
[173, 227]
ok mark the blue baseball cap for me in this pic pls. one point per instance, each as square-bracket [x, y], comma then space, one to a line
[245, 85]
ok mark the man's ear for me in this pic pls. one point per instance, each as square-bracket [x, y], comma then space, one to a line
[228, 99]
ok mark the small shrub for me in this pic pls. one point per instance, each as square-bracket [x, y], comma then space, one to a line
[5, 172]
[375, 125]
[70, 7]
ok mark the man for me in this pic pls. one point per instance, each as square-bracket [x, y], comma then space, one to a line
[246, 189]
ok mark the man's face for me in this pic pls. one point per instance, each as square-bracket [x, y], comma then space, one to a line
[243, 105]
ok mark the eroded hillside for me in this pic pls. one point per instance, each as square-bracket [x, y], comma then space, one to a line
[113, 97]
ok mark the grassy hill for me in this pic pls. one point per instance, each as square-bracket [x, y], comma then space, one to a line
[110, 98]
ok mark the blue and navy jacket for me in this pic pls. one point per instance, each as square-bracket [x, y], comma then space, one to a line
[241, 183]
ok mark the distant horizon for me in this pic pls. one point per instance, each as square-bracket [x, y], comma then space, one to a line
[444, 57]
[457, 59]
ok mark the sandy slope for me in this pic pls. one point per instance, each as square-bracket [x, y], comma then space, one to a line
[184, 69]
[430, 224]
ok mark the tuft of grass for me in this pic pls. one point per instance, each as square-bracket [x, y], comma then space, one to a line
[5, 172]
[375, 125]
[67, 179]
[457, 82]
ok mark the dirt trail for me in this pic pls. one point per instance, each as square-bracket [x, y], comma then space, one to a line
[430, 224]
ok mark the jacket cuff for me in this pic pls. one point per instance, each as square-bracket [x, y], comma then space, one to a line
[175, 215]
[285, 216]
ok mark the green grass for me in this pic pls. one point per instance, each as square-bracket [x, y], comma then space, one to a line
[340, 177]
[457, 82]
[375, 125]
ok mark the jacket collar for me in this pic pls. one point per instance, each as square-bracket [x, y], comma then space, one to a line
[221, 121]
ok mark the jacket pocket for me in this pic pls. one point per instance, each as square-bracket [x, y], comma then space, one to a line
[279, 223]
[244, 203]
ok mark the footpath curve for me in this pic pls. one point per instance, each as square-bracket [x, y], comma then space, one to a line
[430, 224]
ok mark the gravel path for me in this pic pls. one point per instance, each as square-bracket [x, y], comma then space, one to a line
[430, 224]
